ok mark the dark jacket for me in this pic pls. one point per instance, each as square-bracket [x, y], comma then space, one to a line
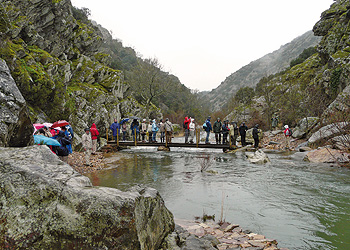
[225, 128]
[255, 133]
[243, 129]
[217, 126]
[208, 128]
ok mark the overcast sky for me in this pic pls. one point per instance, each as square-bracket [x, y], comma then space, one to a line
[202, 42]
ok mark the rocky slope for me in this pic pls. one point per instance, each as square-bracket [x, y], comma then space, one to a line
[60, 66]
[249, 75]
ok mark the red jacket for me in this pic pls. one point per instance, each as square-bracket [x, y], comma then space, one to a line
[94, 132]
[187, 122]
[285, 132]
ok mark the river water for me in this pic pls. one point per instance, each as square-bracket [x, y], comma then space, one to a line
[301, 205]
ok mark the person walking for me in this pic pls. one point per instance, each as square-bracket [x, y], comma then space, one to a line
[217, 127]
[255, 134]
[94, 134]
[87, 145]
[169, 130]
[186, 127]
[207, 127]
[154, 130]
[192, 128]
[162, 131]
[115, 129]
[225, 131]
[242, 131]
[287, 133]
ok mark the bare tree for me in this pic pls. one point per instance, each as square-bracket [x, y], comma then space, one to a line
[148, 81]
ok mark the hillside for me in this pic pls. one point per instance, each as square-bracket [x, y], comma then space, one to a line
[68, 67]
[249, 75]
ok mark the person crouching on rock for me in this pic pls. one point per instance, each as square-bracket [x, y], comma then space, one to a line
[87, 145]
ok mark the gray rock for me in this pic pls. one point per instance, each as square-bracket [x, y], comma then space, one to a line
[259, 157]
[341, 142]
[329, 131]
[16, 128]
[45, 204]
[304, 126]
[305, 149]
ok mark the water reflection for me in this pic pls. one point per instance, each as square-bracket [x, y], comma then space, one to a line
[303, 206]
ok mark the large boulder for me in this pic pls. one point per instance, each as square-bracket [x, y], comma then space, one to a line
[327, 155]
[259, 157]
[45, 204]
[329, 131]
[304, 126]
[16, 128]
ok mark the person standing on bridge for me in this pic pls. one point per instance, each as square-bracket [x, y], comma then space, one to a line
[143, 130]
[225, 131]
[154, 130]
[255, 134]
[186, 127]
[168, 130]
[162, 131]
[217, 130]
[135, 129]
[207, 127]
[115, 129]
[192, 128]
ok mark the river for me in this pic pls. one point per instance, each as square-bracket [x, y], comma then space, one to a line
[301, 205]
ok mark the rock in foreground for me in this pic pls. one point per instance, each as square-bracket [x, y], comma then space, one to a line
[45, 204]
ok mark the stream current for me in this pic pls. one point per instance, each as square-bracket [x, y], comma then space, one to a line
[300, 204]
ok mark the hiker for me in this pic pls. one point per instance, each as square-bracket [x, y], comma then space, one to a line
[192, 128]
[87, 145]
[149, 131]
[186, 127]
[154, 130]
[143, 130]
[274, 122]
[242, 131]
[169, 130]
[288, 133]
[162, 131]
[69, 146]
[115, 129]
[123, 126]
[217, 130]
[94, 134]
[256, 135]
[62, 151]
[225, 131]
[134, 127]
[233, 133]
[207, 127]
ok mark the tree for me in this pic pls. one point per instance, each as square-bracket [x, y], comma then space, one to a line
[147, 81]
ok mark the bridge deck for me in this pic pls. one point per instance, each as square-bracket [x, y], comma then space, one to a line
[180, 145]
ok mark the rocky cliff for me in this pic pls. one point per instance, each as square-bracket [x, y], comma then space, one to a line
[249, 75]
[60, 66]
[45, 204]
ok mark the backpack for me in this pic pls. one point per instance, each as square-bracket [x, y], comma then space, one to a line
[204, 125]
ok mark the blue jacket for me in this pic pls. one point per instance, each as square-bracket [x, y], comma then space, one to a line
[115, 128]
[209, 128]
[133, 126]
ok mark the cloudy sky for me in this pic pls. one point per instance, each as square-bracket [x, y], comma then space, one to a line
[200, 41]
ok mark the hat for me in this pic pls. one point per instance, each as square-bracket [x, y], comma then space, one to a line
[286, 126]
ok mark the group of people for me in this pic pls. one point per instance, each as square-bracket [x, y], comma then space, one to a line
[144, 131]
[225, 128]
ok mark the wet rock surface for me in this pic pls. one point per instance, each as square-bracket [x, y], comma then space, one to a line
[45, 204]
